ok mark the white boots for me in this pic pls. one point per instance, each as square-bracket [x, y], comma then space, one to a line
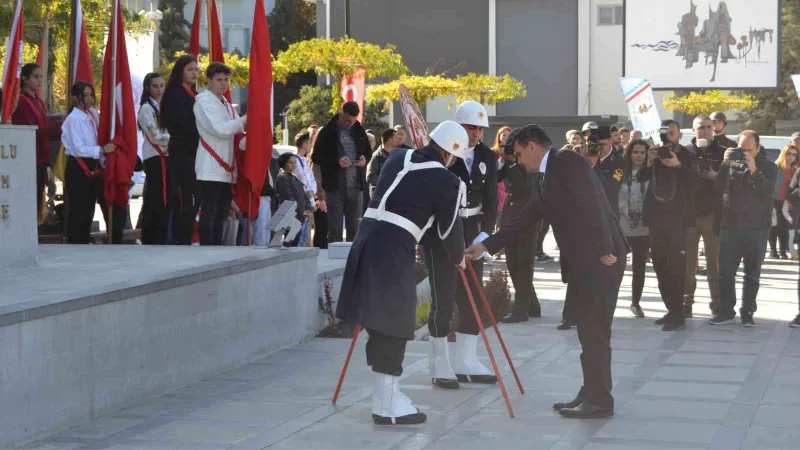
[467, 367]
[390, 406]
[442, 374]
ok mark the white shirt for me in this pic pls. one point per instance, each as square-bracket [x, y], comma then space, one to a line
[543, 164]
[305, 174]
[159, 137]
[217, 124]
[469, 159]
[603, 158]
[79, 134]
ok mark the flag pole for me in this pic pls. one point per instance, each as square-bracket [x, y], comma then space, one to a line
[208, 28]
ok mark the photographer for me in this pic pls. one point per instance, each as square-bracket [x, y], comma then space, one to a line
[607, 160]
[746, 179]
[708, 154]
[668, 212]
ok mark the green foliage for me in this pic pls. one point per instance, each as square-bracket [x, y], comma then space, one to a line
[311, 107]
[487, 89]
[780, 104]
[373, 118]
[423, 311]
[696, 103]
[240, 69]
[174, 29]
[29, 53]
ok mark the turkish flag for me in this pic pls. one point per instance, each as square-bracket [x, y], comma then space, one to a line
[216, 51]
[80, 63]
[256, 159]
[12, 66]
[194, 36]
[353, 90]
[117, 116]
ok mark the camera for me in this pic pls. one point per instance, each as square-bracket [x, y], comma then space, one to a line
[702, 162]
[737, 155]
[663, 134]
[664, 152]
[635, 217]
[592, 133]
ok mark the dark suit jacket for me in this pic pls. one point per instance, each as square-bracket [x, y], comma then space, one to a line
[572, 199]
[481, 184]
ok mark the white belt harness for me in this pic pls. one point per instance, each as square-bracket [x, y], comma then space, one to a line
[380, 214]
[470, 212]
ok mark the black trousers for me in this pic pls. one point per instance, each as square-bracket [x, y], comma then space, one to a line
[41, 179]
[155, 214]
[81, 196]
[639, 247]
[320, 229]
[780, 232]
[344, 203]
[520, 262]
[668, 251]
[385, 353]
[542, 234]
[184, 195]
[447, 289]
[215, 204]
[736, 245]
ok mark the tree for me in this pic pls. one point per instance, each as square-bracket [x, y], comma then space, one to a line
[240, 68]
[311, 107]
[373, 117]
[339, 59]
[487, 89]
[696, 103]
[174, 32]
[291, 21]
[782, 103]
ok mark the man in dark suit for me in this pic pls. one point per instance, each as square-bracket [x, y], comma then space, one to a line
[593, 255]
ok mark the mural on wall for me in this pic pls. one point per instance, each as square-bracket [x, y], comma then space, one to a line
[708, 44]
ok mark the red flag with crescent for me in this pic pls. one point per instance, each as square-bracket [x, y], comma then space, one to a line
[353, 90]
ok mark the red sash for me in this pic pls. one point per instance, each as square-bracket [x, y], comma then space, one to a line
[90, 174]
[228, 168]
[188, 91]
[163, 167]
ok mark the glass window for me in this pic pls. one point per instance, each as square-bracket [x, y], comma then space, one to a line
[605, 15]
[619, 15]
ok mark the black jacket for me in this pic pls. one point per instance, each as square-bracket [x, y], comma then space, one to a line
[481, 184]
[707, 200]
[668, 202]
[326, 152]
[749, 203]
[571, 198]
[290, 188]
[374, 167]
[723, 141]
[613, 168]
[177, 116]
[520, 184]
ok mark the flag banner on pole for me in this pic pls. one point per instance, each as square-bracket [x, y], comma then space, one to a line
[353, 90]
[796, 81]
[117, 117]
[415, 121]
[258, 153]
[12, 65]
[641, 106]
[216, 50]
[194, 34]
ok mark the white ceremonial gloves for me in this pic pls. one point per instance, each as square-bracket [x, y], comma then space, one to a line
[478, 240]
[463, 263]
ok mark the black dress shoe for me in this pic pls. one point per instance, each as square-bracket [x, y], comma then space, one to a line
[674, 326]
[586, 411]
[515, 318]
[411, 419]
[535, 310]
[564, 325]
[569, 405]
[445, 383]
[477, 379]
[662, 320]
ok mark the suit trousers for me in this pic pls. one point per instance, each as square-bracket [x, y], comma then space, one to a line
[81, 196]
[385, 353]
[215, 204]
[737, 244]
[447, 289]
[344, 203]
[598, 300]
[704, 228]
[639, 247]
[155, 214]
[668, 251]
[520, 262]
[183, 184]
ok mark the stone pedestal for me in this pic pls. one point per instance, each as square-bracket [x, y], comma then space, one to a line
[18, 221]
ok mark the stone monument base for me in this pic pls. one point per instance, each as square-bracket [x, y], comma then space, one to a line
[94, 328]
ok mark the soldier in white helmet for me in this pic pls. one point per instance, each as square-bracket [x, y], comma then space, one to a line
[478, 171]
[416, 199]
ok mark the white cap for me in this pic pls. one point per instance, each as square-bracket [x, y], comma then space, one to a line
[452, 137]
[472, 113]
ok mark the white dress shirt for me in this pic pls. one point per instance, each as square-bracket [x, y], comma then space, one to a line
[147, 121]
[543, 164]
[469, 159]
[79, 134]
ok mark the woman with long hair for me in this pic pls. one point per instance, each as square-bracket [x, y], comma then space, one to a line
[31, 111]
[787, 164]
[631, 205]
[497, 148]
[290, 188]
[155, 214]
[177, 117]
[84, 178]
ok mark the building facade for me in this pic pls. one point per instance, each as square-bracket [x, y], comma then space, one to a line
[567, 52]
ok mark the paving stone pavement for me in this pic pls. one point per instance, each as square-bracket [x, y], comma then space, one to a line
[706, 387]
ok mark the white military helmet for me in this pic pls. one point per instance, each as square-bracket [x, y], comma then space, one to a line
[472, 113]
[452, 137]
